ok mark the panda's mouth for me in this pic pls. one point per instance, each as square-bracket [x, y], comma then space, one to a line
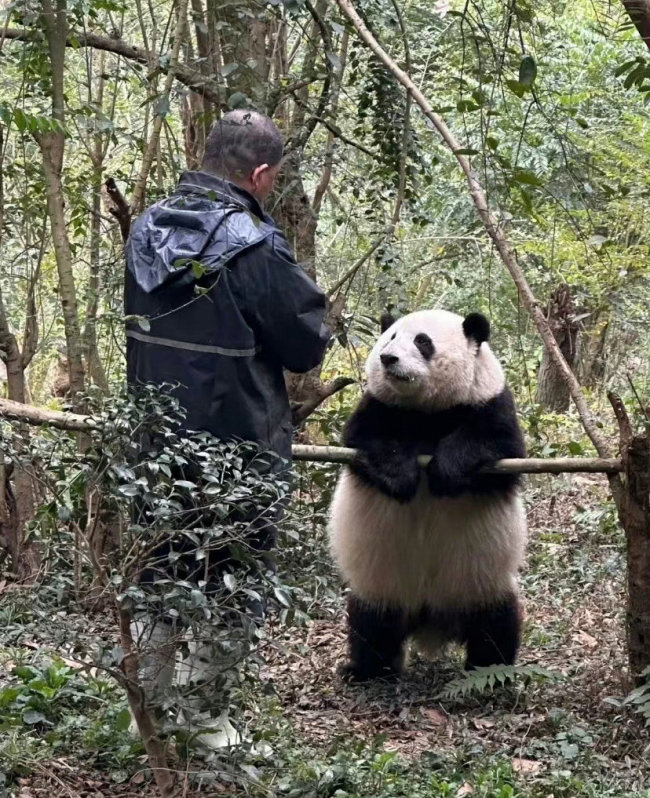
[399, 376]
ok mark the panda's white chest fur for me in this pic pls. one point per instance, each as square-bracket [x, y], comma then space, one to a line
[446, 553]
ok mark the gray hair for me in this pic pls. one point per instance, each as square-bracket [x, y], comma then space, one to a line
[241, 141]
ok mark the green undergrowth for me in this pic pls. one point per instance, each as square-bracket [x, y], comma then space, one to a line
[564, 723]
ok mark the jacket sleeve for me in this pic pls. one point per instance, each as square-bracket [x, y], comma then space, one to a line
[285, 307]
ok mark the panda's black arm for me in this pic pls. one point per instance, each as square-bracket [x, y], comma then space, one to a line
[386, 455]
[489, 433]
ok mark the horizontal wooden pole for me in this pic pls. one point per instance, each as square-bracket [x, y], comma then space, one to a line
[529, 465]
[332, 454]
[17, 411]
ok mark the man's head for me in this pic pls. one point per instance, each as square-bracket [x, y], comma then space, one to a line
[245, 147]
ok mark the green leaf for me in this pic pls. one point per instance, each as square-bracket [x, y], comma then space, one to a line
[527, 71]
[282, 596]
[25, 672]
[575, 448]
[569, 750]
[198, 269]
[238, 100]
[466, 151]
[516, 87]
[123, 720]
[230, 582]
[596, 240]
[465, 106]
[228, 69]
[527, 177]
[625, 67]
[31, 717]
[334, 60]
[144, 324]
[637, 75]
[526, 199]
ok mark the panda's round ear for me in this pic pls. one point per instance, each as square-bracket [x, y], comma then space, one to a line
[387, 320]
[477, 327]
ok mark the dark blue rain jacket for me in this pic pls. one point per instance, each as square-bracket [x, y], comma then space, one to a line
[226, 309]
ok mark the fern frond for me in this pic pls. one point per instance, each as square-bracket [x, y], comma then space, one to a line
[639, 698]
[484, 680]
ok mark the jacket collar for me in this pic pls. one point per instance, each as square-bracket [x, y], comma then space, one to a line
[219, 190]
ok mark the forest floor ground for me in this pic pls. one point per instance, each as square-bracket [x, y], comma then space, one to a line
[539, 738]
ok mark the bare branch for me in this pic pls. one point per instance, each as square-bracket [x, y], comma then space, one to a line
[139, 191]
[336, 454]
[55, 418]
[325, 390]
[120, 208]
[530, 465]
[624, 425]
[192, 78]
[492, 227]
[355, 267]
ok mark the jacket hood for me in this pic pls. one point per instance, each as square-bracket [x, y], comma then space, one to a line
[205, 215]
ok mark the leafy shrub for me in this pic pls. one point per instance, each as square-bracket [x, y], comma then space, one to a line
[178, 514]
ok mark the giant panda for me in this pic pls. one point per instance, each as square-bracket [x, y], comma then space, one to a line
[430, 553]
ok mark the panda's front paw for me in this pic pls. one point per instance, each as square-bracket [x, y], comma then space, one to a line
[397, 478]
[446, 480]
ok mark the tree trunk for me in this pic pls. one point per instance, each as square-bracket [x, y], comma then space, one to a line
[93, 360]
[294, 214]
[635, 519]
[139, 191]
[552, 389]
[52, 149]
[52, 146]
[592, 355]
[17, 503]
[639, 13]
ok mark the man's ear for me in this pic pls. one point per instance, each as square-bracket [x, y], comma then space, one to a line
[257, 173]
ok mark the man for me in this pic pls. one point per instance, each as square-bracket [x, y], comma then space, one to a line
[226, 305]
[218, 306]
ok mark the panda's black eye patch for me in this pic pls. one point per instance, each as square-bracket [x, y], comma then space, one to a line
[425, 345]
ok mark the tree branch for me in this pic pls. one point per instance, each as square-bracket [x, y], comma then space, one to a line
[139, 192]
[120, 208]
[334, 454]
[18, 411]
[492, 227]
[530, 465]
[355, 267]
[192, 78]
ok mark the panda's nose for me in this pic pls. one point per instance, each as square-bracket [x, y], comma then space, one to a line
[388, 360]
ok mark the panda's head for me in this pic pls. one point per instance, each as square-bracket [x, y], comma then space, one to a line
[434, 359]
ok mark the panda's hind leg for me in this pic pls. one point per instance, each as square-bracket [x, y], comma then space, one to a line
[493, 634]
[376, 641]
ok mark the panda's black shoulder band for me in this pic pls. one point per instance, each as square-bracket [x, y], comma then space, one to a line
[477, 327]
